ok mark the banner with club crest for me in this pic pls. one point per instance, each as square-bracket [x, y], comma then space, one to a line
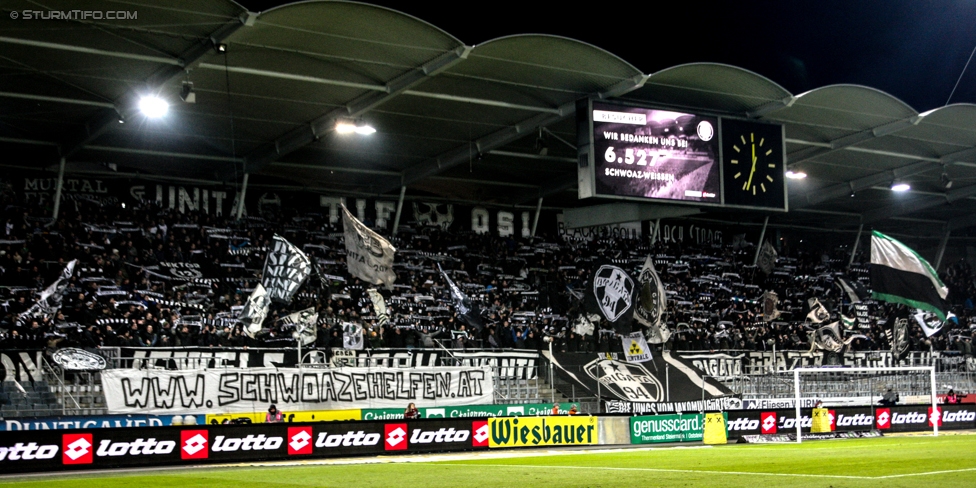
[611, 293]
[665, 378]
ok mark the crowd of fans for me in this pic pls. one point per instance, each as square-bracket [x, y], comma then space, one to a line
[527, 291]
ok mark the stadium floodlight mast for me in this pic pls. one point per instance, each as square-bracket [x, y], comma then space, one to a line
[891, 369]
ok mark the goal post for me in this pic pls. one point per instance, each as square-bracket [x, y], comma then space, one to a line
[797, 397]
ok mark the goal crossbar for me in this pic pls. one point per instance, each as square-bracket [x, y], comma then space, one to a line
[892, 369]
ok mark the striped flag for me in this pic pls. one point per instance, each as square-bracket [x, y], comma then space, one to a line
[900, 275]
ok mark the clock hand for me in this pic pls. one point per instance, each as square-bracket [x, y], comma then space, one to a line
[749, 183]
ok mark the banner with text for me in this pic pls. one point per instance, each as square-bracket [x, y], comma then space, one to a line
[666, 428]
[542, 431]
[252, 390]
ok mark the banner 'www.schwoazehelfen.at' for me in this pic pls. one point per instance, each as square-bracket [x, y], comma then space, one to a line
[226, 390]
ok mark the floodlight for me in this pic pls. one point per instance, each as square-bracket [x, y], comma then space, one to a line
[153, 107]
[345, 126]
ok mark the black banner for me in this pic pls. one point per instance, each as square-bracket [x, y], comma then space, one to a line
[666, 378]
[221, 200]
[511, 364]
[53, 450]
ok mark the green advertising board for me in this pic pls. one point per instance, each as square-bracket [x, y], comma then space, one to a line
[666, 428]
[509, 410]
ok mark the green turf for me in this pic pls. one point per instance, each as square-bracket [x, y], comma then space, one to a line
[947, 461]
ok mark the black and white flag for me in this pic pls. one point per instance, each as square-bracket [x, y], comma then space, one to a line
[651, 304]
[379, 306]
[818, 312]
[304, 324]
[930, 323]
[855, 291]
[829, 338]
[897, 336]
[468, 312]
[255, 310]
[368, 255]
[767, 258]
[285, 269]
[49, 301]
[583, 325]
[352, 336]
[611, 292]
[770, 301]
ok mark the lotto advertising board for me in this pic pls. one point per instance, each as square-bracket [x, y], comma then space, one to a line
[543, 431]
[52, 450]
[902, 418]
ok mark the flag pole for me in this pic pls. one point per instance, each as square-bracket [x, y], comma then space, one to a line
[857, 241]
[762, 237]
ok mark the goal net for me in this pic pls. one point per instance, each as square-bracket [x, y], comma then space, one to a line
[879, 388]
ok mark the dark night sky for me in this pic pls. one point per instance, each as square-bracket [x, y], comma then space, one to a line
[912, 49]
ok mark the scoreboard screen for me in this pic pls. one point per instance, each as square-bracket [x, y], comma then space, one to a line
[639, 153]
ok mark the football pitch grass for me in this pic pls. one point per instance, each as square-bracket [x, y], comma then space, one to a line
[945, 461]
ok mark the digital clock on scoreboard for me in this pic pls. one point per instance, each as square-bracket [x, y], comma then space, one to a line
[654, 154]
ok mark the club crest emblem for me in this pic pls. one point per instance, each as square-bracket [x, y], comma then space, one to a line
[614, 291]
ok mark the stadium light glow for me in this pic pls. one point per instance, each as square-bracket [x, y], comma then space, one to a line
[153, 107]
[358, 126]
[901, 187]
[796, 175]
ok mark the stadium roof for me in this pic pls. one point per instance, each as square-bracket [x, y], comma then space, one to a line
[454, 121]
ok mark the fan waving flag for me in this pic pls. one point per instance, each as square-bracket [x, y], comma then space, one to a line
[368, 255]
[285, 269]
[900, 275]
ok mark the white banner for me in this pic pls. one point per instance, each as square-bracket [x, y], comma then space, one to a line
[290, 389]
[368, 255]
[635, 348]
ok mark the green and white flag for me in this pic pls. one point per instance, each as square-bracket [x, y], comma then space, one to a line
[900, 275]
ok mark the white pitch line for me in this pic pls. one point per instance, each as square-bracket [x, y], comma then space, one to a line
[660, 470]
[926, 473]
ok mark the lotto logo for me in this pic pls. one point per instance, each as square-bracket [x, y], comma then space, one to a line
[299, 440]
[396, 437]
[935, 417]
[832, 415]
[768, 423]
[194, 444]
[480, 429]
[883, 416]
[76, 448]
